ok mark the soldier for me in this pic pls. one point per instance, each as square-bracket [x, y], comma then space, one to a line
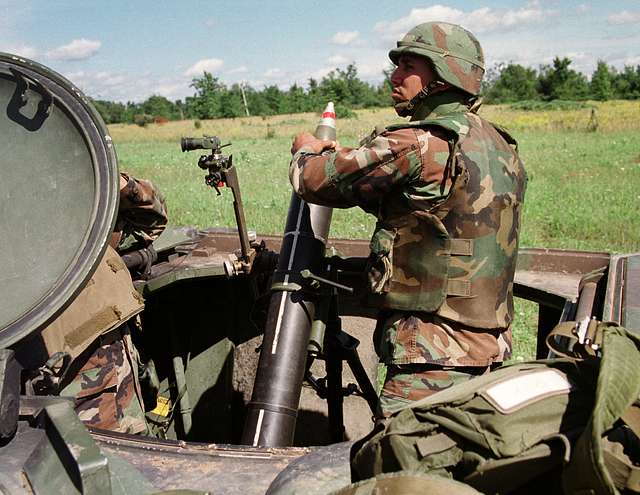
[92, 357]
[447, 189]
[142, 214]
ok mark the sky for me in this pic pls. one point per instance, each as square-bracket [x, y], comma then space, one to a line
[129, 50]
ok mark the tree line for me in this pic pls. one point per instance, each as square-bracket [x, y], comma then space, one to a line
[214, 99]
[509, 83]
[505, 83]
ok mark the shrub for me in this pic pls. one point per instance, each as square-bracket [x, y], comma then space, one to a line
[344, 112]
[537, 105]
[142, 119]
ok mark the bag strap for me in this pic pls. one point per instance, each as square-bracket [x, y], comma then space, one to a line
[624, 474]
[618, 387]
[577, 339]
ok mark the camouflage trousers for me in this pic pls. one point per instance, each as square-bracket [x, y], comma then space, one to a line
[106, 389]
[407, 383]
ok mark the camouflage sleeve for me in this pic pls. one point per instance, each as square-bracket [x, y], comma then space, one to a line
[142, 215]
[412, 159]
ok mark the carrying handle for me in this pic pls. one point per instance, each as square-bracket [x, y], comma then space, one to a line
[19, 100]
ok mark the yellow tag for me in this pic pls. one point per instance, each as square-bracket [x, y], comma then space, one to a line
[163, 406]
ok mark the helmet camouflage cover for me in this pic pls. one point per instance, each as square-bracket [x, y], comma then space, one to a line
[455, 52]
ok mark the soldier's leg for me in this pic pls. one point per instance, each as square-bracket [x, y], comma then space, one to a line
[408, 383]
[106, 389]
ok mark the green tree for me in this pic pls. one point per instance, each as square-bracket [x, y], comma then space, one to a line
[207, 102]
[626, 84]
[559, 82]
[600, 86]
[314, 95]
[296, 99]
[343, 86]
[159, 106]
[273, 99]
[111, 112]
[512, 83]
[231, 102]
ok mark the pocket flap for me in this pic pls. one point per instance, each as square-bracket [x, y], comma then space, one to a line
[434, 444]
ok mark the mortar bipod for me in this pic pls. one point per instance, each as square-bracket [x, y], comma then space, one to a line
[331, 344]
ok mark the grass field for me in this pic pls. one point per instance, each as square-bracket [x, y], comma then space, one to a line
[583, 192]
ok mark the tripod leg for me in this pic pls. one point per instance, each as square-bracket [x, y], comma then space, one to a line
[368, 391]
[335, 399]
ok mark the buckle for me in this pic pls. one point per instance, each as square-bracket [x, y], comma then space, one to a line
[585, 331]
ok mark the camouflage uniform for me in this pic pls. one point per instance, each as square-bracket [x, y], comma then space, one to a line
[142, 215]
[447, 189]
[96, 328]
[106, 388]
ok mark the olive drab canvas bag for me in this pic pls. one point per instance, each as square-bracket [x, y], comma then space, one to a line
[566, 425]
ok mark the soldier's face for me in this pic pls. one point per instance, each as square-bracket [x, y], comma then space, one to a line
[411, 75]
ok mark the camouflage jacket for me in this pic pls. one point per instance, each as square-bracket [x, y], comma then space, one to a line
[142, 215]
[447, 192]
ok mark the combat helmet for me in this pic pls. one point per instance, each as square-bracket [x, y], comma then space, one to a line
[455, 53]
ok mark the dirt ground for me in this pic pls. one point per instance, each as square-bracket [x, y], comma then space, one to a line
[312, 424]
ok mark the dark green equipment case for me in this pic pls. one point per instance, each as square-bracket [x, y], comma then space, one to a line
[565, 425]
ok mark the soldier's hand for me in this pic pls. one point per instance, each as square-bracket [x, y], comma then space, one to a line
[311, 143]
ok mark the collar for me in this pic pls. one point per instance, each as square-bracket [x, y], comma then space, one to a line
[438, 104]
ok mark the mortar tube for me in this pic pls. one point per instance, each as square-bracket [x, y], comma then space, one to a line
[272, 412]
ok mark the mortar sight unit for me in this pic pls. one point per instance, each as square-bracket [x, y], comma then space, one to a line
[210, 297]
[203, 143]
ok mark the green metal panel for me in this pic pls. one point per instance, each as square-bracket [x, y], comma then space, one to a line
[58, 194]
[67, 460]
[631, 316]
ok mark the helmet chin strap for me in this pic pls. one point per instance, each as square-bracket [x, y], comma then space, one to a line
[405, 108]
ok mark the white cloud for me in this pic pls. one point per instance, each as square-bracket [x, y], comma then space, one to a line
[121, 86]
[273, 73]
[25, 51]
[372, 70]
[110, 79]
[172, 91]
[318, 73]
[79, 49]
[344, 37]
[102, 79]
[481, 20]
[633, 60]
[206, 65]
[337, 60]
[238, 70]
[101, 85]
[624, 17]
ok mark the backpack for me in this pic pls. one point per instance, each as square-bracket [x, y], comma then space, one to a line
[566, 425]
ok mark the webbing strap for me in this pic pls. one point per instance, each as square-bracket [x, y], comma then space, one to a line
[461, 247]
[459, 288]
[576, 340]
[89, 329]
